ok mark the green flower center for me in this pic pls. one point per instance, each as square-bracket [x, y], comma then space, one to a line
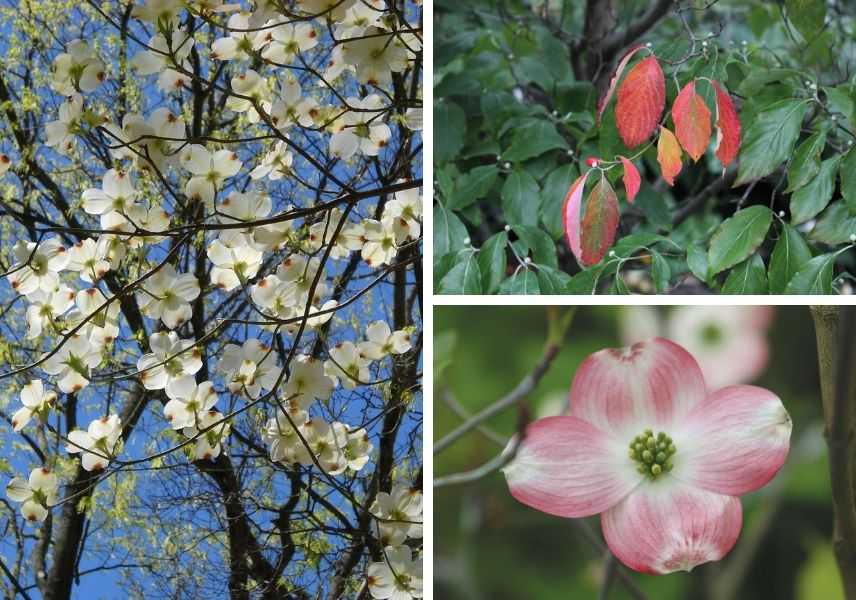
[711, 334]
[652, 453]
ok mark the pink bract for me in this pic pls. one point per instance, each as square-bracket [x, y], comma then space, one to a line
[680, 508]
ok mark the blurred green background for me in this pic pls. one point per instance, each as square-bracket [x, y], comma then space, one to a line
[489, 546]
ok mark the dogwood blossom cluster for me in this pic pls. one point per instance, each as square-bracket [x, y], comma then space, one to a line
[152, 172]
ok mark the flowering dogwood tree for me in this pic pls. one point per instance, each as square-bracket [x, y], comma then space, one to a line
[212, 299]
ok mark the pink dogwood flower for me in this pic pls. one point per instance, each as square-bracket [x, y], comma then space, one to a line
[662, 459]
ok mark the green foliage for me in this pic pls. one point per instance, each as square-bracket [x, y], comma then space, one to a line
[516, 118]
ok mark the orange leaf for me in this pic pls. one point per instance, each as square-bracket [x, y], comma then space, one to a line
[668, 155]
[601, 106]
[692, 121]
[631, 179]
[599, 223]
[641, 98]
[727, 127]
[571, 214]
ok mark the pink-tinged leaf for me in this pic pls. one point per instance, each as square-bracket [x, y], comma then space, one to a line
[571, 214]
[671, 526]
[566, 467]
[631, 179]
[692, 121]
[727, 127]
[755, 427]
[641, 99]
[601, 106]
[600, 223]
[668, 155]
[650, 384]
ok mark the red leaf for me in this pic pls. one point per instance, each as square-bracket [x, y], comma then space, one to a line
[668, 155]
[571, 214]
[641, 98]
[631, 179]
[727, 127]
[599, 223]
[601, 106]
[692, 121]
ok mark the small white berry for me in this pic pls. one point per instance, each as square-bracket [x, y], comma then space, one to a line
[833, 118]
[807, 83]
[612, 253]
[782, 213]
[498, 157]
[466, 241]
[506, 165]
[648, 45]
[508, 227]
[849, 142]
[569, 152]
[528, 260]
[555, 113]
[813, 86]
[743, 43]
[509, 56]
[704, 44]
[853, 237]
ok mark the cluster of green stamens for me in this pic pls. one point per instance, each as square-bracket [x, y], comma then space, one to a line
[652, 453]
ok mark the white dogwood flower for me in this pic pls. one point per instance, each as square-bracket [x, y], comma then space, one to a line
[167, 295]
[46, 307]
[38, 265]
[98, 443]
[36, 400]
[37, 494]
[307, 382]
[188, 402]
[381, 342]
[235, 260]
[347, 365]
[60, 134]
[88, 258]
[249, 367]
[79, 69]
[171, 359]
[398, 577]
[73, 362]
[209, 170]
[208, 444]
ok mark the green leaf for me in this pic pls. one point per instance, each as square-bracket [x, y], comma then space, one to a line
[444, 348]
[464, 277]
[749, 277]
[522, 282]
[553, 199]
[848, 179]
[818, 576]
[450, 128]
[835, 225]
[807, 16]
[660, 271]
[655, 206]
[442, 265]
[815, 277]
[492, 261]
[840, 99]
[790, 254]
[449, 231]
[585, 282]
[520, 199]
[812, 198]
[541, 245]
[806, 162]
[552, 281]
[697, 261]
[472, 186]
[738, 237]
[533, 138]
[770, 139]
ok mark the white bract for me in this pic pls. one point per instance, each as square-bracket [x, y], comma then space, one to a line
[361, 130]
[234, 258]
[37, 494]
[398, 515]
[88, 258]
[98, 443]
[36, 400]
[60, 134]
